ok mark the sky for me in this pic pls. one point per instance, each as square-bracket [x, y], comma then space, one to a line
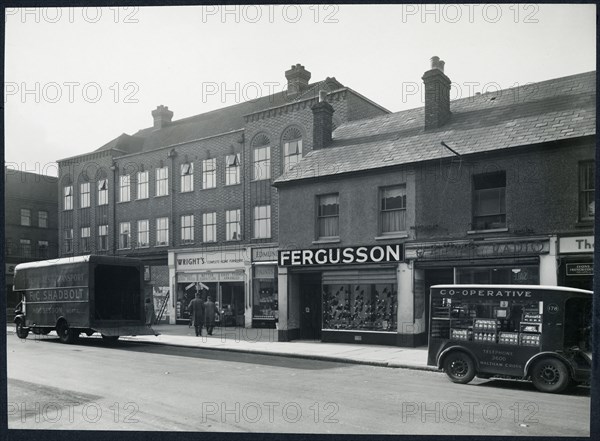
[76, 78]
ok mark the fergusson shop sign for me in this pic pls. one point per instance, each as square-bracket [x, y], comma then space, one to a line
[345, 255]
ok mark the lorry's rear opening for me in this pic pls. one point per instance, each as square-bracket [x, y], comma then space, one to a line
[117, 293]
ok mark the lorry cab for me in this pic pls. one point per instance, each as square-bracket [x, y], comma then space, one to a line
[537, 333]
[82, 294]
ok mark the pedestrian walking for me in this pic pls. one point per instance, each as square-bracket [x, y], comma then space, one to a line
[210, 311]
[196, 309]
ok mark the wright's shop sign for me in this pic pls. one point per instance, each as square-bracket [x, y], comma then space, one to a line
[345, 255]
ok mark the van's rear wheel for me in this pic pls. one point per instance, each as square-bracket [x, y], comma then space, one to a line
[459, 367]
[550, 375]
[65, 334]
[22, 332]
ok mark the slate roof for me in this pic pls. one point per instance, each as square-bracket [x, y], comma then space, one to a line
[551, 110]
[211, 123]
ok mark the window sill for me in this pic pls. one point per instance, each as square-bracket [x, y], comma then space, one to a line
[161, 195]
[584, 224]
[186, 243]
[161, 245]
[399, 235]
[186, 191]
[142, 199]
[123, 202]
[233, 240]
[492, 230]
[139, 247]
[123, 249]
[208, 188]
[323, 241]
[233, 185]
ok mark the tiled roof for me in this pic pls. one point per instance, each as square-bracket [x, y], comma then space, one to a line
[535, 113]
[213, 123]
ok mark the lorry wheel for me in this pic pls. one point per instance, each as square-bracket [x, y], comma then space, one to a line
[459, 367]
[550, 375]
[65, 334]
[22, 332]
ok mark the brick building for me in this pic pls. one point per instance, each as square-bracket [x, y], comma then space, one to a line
[30, 223]
[193, 197]
[494, 188]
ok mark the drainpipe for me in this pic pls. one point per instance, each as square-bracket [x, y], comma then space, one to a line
[114, 169]
[172, 154]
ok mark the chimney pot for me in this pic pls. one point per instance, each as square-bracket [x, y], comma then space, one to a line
[437, 95]
[162, 116]
[322, 122]
[298, 78]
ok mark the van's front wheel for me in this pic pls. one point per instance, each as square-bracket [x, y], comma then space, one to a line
[22, 332]
[550, 375]
[65, 334]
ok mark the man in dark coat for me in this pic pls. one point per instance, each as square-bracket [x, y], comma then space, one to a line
[196, 309]
[210, 310]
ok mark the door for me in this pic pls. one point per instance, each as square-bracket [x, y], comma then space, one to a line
[310, 307]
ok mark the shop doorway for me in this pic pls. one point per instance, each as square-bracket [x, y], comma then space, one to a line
[231, 304]
[310, 306]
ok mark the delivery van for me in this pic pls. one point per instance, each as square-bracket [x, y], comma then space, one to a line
[526, 332]
[81, 294]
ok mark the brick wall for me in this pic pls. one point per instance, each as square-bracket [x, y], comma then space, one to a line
[358, 207]
[35, 193]
[541, 191]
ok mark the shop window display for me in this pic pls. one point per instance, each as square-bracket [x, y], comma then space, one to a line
[360, 307]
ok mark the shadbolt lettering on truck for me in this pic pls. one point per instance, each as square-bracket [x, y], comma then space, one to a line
[83, 294]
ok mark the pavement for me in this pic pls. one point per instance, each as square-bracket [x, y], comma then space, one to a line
[264, 342]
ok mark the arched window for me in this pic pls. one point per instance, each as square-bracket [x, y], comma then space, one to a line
[67, 190]
[261, 157]
[84, 191]
[292, 147]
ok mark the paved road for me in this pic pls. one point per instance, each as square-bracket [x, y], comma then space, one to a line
[134, 386]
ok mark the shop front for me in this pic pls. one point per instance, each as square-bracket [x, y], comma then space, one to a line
[349, 294]
[507, 261]
[222, 275]
[157, 288]
[576, 261]
[265, 313]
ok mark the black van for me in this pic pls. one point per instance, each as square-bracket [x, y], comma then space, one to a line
[540, 333]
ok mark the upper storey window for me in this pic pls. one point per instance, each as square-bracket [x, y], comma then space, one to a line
[292, 148]
[261, 157]
[489, 201]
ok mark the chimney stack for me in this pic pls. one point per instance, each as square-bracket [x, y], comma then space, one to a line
[437, 95]
[297, 78]
[162, 116]
[322, 122]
